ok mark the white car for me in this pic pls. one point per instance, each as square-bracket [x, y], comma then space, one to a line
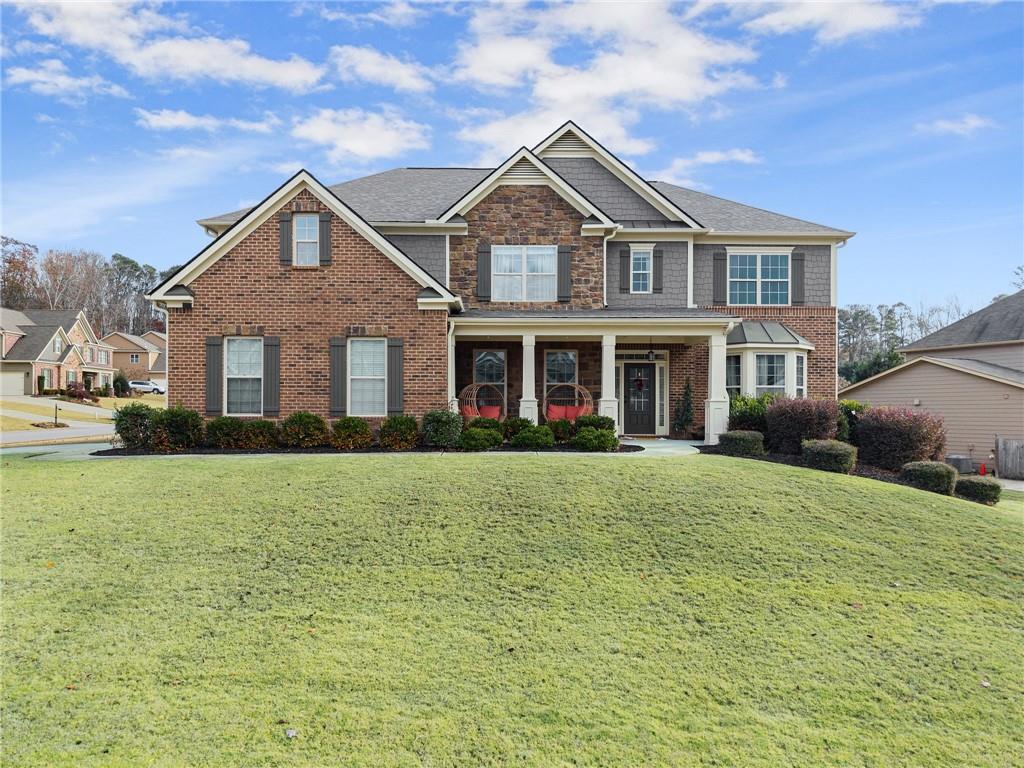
[150, 387]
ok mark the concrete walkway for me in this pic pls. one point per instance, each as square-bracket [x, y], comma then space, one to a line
[1011, 485]
[82, 421]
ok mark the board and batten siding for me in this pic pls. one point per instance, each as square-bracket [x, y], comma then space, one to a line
[973, 409]
[1010, 355]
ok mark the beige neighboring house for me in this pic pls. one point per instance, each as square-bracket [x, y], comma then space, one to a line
[971, 373]
[140, 357]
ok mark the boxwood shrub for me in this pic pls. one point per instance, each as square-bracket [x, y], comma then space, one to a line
[176, 429]
[225, 433]
[747, 414]
[478, 439]
[350, 433]
[791, 421]
[891, 437]
[829, 455]
[481, 423]
[133, 424]
[741, 442]
[931, 476]
[513, 426]
[984, 490]
[535, 437]
[259, 435]
[442, 428]
[590, 439]
[595, 421]
[850, 412]
[562, 429]
[398, 433]
[303, 429]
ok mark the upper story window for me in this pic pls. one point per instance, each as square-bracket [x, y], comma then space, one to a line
[58, 345]
[759, 278]
[306, 228]
[133, 358]
[243, 376]
[367, 377]
[524, 273]
[641, 263]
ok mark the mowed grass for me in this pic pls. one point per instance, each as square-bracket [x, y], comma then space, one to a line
[13, 423]
[153, 401]
[44, 408]
[468, 610]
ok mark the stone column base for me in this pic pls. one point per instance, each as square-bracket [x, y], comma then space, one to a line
[716, 420]
[528, 409]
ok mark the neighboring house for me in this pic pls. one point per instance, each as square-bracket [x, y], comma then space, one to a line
[140, 357]
[971, 373]
[392, 292]
[59, 345]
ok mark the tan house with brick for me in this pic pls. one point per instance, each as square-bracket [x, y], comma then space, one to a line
[559, 274]
[139, 357]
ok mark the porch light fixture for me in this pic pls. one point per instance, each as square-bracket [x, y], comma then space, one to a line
[650, 350]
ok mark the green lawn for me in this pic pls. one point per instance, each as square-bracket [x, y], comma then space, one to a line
[503, 610]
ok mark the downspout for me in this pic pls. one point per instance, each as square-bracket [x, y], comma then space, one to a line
[604, 269]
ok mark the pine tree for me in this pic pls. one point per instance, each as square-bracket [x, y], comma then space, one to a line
[683, 418]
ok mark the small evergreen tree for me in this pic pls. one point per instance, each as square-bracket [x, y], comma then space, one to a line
[682, 420]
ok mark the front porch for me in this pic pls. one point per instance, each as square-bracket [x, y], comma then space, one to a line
[634, 369]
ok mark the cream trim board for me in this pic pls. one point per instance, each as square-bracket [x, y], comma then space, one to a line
[662, 402]
[925, 350]
[757, 250]
[940, 361]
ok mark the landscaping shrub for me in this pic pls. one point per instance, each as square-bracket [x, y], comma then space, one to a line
[931, 476]
[534, 437]
[791, 421]
[850, 412]
[590, 439]
[984, 490]
[133, 424]
[351, 433]
[303, 430]
[481, 423]
[259, 435]
[225, 432]
[829, 455]
[682, 419]
[595, 421]
[562, 429]
[120, 384]
[442, 428]
[479, 439]
[891, 437]
[399, 433]
[176, 429]
[741, 442]
[747, 414]
[513, 426]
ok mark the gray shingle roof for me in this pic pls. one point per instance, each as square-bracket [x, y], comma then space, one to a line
[990, 369]
[767, 332]
[65, 318]
[138, 341]
[160, 366]
[1001, 320]
[38, 325]
[33, 344]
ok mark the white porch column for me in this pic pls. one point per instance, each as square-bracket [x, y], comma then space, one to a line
[528, 402]
[608, 405]
[716, 407]
[453, 397]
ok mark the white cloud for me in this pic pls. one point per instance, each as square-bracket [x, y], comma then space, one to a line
[394, 14]
[155, 46]
[681, 169]
[51, 78]
[355, 134]
[180, 120]
[367, 64]
[965, 126]
[34, 47]
[831, 21]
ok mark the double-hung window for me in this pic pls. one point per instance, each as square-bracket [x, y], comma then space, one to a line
[524, 273]
[367, 378]
[47, 378]
[559, 368]
[243, 376]
[58, 345]
[640, 270]
[72, 377]
[771, 374]
[133, 358]
[759, 278]
[306, 227]
[489, 368]
[801, 374]
[732, 375]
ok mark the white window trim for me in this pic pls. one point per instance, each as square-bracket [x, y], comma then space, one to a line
[647, 248]
[504, 352]
[224, 378]
[349, 377]
[133, 358]
[523, 273]
[662, 405]
[748, 368]
[758, 251]
[296, 241]
[799, 383]
[58, 345]
[576, 374]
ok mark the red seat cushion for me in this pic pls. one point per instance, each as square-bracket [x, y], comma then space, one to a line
[572, 412]
[468, 411]
[555, 412]
[490, 411]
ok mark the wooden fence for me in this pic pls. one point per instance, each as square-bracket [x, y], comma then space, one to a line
[1010, 458]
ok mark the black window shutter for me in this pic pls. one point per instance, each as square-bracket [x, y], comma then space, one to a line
[339, 384]
[797, 278]
[483, 271]
[284, 226]
[564, 273]
[325, 239]
[214, 375]
[720, 281]
[271, 375]
[658, 271]
[625, 270]
[396, 377]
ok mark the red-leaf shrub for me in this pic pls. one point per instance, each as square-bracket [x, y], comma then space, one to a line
[891, 437]
[790, 422]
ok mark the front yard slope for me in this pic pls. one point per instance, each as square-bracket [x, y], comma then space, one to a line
[465, 610]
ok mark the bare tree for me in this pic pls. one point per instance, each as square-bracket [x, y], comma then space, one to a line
[73, 279]
[18, 266]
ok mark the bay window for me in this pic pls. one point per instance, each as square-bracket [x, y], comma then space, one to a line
[759, 278]
[524, 273]
[771, 374]
[801, 368]
[732, 375]
[243, 376]
[306, 228]
[367, 378]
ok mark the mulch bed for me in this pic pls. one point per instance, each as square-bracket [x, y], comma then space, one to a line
[329, 450]
[49, 424]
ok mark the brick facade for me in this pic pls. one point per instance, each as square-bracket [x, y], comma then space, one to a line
[362, 292]
[527, 215]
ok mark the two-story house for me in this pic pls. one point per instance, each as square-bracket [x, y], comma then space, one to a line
[46, 349]
[392, 293]
[140, 357]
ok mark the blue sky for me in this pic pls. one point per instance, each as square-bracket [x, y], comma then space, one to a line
[123, 124]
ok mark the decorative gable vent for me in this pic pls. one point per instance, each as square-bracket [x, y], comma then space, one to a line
[523, 172]
[568, 145]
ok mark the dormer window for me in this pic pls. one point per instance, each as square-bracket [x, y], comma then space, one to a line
[306, 248]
